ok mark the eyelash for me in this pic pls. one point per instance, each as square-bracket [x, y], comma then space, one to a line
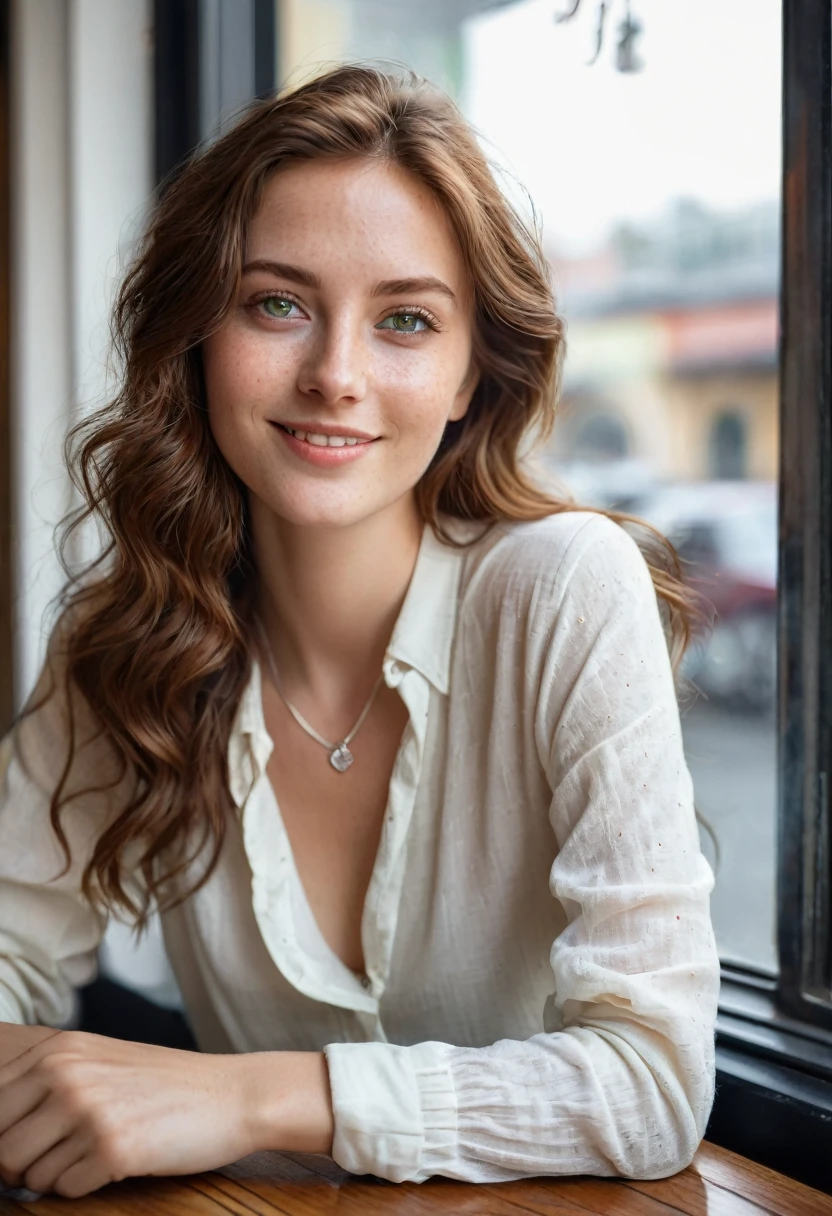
[416, 311]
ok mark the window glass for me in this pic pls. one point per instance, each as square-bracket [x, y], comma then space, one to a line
[654, 172]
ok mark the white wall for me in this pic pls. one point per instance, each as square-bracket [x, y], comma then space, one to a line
[41, 304]
[82, 173]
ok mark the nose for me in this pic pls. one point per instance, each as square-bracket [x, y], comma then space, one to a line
[334, 370]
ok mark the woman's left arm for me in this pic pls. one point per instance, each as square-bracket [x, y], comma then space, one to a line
[621, 1083]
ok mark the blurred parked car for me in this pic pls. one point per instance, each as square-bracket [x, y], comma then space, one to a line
[726, 533]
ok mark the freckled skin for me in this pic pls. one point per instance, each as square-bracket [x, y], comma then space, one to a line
[353, 224]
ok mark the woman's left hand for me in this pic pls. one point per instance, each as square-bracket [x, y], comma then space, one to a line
[80, 1110]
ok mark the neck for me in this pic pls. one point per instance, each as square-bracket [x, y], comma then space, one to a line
[329, 597]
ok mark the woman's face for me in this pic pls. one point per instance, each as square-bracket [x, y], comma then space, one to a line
[353, 329]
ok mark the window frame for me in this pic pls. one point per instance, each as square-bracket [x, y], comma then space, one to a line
[805, 600]
[198, 68]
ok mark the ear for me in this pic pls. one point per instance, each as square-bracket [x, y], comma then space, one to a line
[465, 392]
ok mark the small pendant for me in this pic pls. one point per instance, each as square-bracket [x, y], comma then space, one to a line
[341, 758]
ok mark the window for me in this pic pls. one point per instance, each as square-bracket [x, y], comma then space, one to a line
[659, 206]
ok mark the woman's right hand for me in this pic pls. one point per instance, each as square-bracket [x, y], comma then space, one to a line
[15, 1039]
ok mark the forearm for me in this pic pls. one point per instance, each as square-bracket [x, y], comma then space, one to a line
[290, 1100]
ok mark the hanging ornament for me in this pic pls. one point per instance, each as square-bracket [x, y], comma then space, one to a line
[626, 59]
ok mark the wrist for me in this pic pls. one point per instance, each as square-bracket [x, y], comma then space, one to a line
[287, 1102]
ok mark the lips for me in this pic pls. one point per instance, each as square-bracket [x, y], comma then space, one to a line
[324, 453]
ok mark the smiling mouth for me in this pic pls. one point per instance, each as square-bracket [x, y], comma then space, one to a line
[324, 441]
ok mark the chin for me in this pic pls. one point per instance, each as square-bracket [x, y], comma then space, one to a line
[336, 511]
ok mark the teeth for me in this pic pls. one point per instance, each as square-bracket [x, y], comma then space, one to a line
[323, 441]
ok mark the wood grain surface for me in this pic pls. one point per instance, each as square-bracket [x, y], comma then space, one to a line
[718, 1183]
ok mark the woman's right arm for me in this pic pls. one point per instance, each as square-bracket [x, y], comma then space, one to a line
[49, 933]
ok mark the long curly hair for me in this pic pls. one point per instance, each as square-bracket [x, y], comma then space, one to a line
[153, 633]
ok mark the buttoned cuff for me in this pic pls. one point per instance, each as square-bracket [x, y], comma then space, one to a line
[395, 1109]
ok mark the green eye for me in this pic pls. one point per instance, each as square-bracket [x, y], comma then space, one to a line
[277, 306]
[404, 323]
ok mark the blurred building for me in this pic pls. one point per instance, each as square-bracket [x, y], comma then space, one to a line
[672, 350]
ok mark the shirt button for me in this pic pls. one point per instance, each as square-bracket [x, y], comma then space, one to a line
[365, 982]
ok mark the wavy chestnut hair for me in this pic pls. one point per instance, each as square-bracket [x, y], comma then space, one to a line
[153, 633]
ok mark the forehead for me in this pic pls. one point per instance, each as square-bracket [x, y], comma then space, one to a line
[364, 217]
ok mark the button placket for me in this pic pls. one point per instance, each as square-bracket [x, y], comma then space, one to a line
[382, 903]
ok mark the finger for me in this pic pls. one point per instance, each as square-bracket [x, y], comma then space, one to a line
[30, 1138]
[87, 1174]
[43, 1174]
[19, 1099]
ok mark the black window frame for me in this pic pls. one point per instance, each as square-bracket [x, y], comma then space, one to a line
[198, 67]
[805, 611]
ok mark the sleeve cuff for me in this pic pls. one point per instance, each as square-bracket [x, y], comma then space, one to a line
[395, 1109]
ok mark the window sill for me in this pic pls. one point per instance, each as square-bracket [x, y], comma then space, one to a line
[773, 1101]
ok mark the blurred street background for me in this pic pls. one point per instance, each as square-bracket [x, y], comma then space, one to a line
[652, 167]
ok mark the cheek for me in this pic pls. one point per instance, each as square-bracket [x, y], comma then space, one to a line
[232, 369]
[229, 386]
[421, 391]
[239, 383]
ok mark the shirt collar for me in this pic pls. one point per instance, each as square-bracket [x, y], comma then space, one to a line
[424, 631]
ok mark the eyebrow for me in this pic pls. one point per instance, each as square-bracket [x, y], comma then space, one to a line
[284, 270]
[402, 287]
[387, 287]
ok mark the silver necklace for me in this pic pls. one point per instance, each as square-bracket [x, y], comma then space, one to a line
[340, 756]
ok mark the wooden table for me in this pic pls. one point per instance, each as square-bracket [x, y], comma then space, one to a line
[718, 1183]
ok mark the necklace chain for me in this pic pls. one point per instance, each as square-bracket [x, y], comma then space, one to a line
[340, 755]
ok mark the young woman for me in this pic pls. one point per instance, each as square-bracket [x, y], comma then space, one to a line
[388, 732]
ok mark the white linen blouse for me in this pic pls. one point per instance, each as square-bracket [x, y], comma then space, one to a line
[542, 975]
